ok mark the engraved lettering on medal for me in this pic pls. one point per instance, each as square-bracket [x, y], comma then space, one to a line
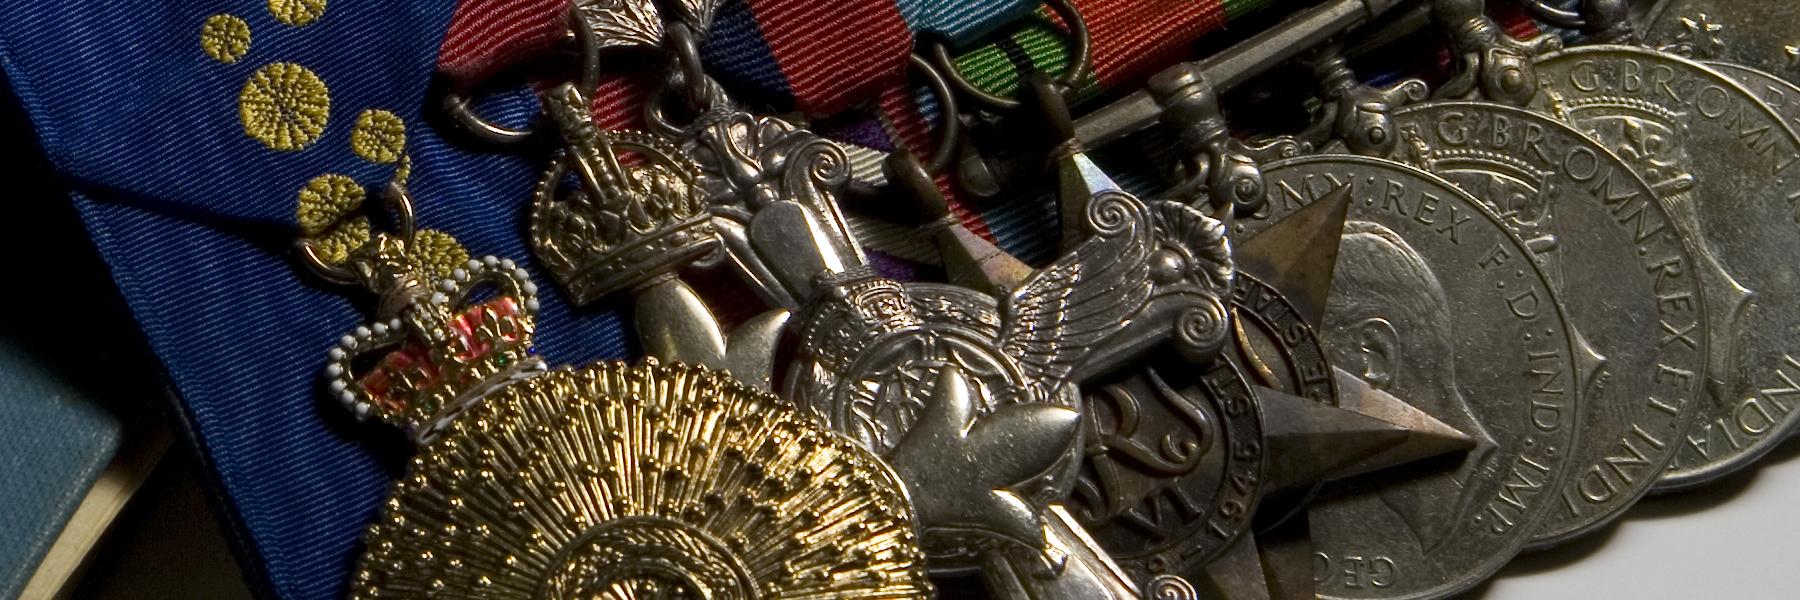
[1628, 77]
[1394, 199]
[1547, 388]
[1525, 304]
[1752, 417]
[1548, 366]
[1622, 466]
[1685, 335]
[1630, 209]
[1457, 220]
[1152, 515]
[1390, 196]
[1614, 470]
[1510, 505]
[1136, 465]
[1311, 374]
[1354, 572]
[1759, 138]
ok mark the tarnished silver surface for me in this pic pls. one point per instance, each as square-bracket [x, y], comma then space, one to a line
[1436, 302]
[640, 23]
[871, 354]
[1782, 95]
[779, 184]
[1173, 468]
[1622, 271]
[1756, 33]
[1280, 351]
[1146, 276]
[1087, 571]
[1688, 128]
[960, 472]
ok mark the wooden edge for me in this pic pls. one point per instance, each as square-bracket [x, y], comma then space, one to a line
[139, 452]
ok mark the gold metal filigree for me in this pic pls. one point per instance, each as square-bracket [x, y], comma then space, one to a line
[624, 482]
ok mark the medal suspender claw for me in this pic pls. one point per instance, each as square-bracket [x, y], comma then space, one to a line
[1489, 63]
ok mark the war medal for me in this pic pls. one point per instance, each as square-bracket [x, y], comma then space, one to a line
[761, 193]
[1757, 34]
[1415, 249]
[867, 343]
[1686, 127]
[1604, 239]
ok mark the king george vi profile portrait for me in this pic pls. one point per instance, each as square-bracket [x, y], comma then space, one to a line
[1388, 321]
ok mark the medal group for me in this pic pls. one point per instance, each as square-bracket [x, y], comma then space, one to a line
[1377, 355]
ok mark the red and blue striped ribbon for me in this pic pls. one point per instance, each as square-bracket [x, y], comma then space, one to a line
[825, 59]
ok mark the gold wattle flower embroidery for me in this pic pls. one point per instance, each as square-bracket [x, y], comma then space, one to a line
[285, 106]
[325, 200]
[297, 13]
[378, 136]
[226, 38]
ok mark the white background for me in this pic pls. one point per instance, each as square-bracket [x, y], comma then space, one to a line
[1738, 537]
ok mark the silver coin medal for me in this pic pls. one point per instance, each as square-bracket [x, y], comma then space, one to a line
[1621, 270]
[1779, 94]
[1435, 301]
[1728, 167]
[1759, 34]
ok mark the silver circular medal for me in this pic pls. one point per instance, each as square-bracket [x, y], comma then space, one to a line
[1624, 276]
[1729, 170]
[1755, 33]
[1435, 301]
[1781, 95]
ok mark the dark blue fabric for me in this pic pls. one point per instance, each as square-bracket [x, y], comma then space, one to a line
[196, 219]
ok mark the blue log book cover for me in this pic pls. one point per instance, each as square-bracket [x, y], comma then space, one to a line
[54, 440]
[74, 370]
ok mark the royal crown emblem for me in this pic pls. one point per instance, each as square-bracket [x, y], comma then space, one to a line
[633, 214]
[435, 351]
